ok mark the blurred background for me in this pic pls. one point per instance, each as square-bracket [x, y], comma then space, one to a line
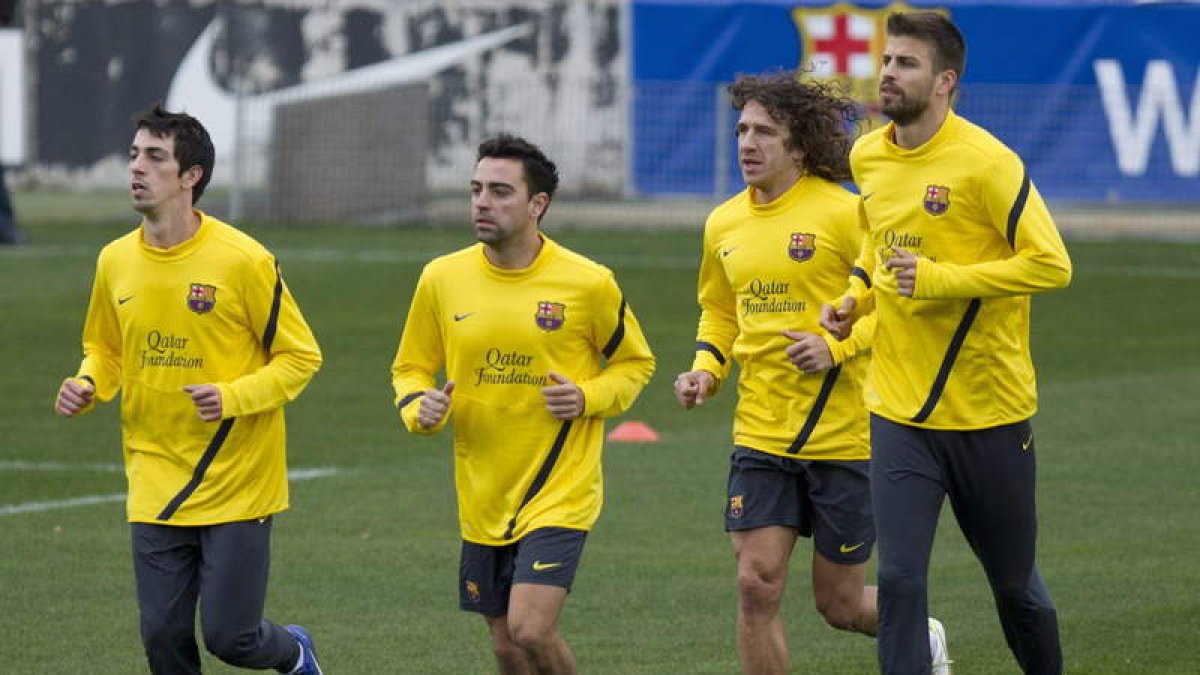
[369, 111]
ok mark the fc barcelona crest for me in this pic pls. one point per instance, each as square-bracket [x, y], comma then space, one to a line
[201, 298]
[937, 199]
[802, 246]
[550, 315]
[472, 591]
[736, 508]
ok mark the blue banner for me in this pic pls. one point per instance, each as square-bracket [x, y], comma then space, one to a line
[1101, 99]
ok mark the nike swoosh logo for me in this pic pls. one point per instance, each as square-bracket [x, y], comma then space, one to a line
[850, 549]
[727, 251]
[196, 90]
[868, 196]
[1027, 443]
[121, 301]
[460, 317]
[539, 566]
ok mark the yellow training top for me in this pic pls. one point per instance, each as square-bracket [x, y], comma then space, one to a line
[767, 268]
[498, 333]
[212, 310]
[956, 354]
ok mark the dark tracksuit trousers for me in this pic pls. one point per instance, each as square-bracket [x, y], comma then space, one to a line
[224, 568]
[989, 476]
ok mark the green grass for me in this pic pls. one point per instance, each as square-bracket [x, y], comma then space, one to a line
[368, 558]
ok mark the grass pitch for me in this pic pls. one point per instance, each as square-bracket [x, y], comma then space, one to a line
[367, 558]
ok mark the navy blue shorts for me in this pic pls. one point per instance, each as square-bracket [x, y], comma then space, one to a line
[548, 556]
[828, 500]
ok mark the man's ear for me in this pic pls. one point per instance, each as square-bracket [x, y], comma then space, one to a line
[947, 80]
[538, 204]
[191, 178]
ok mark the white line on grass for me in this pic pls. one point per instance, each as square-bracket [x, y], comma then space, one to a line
[33, 507]
[89, 500]
[19, 465]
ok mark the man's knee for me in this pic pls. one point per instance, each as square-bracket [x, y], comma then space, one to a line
[1020, 598]
[232, 647]
[507, 651]
[163, 637]
[530, 635]
[895, 580]
[758, 589]
[841, 612]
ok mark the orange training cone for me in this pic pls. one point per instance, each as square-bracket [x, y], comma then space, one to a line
[632, 432]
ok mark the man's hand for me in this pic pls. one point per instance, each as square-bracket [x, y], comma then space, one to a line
[207, 399]
[73, 396]
[904, 264]
[434, 405]
[692, 387]
[564, 398]
[808, 352]
[838, 321]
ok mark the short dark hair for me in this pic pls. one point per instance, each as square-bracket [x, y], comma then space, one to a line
[193, 147]
[937, 31]
[540, 173]
[821, 122]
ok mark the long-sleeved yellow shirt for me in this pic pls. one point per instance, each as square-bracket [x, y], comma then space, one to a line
[956, 354]
[766, 268]
[498, 334]
[212, 310]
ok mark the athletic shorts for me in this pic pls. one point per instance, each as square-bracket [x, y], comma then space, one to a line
[548, 556]
[828, 500]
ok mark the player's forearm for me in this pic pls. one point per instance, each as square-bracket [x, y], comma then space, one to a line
[277, 383]
[1018, 275]
[103, 370]
[614, 390]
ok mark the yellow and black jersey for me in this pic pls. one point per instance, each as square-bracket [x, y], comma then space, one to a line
[213, 310]
[498, 334]
[766, 268]
[956, 354]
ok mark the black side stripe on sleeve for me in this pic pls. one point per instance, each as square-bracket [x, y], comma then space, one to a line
[542, 475]
[409, 399]
[1018, 207]
[206, 459]
[815, 413]
[956, 343]
[273, 320]
[618, 333]
[861, 274]
[702, 346]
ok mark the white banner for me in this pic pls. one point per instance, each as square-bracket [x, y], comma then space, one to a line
[12, 97]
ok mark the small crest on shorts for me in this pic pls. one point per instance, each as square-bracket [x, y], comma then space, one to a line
[937, 199]
[472, 591]
[201, 298]
[736, 508]
[802, 246]
[550, 315]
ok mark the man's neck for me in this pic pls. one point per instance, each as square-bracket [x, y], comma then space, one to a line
[515, 255]
[170, 227]
[765, 194]
[919, 131]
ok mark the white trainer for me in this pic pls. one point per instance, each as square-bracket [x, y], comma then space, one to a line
[939, 660]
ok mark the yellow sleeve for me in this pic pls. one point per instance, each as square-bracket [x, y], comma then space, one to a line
[420, 355]
[862, 335]
[718, 326]
[101, 363]
[1039, 261]
[629, 361]
[293, 356]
